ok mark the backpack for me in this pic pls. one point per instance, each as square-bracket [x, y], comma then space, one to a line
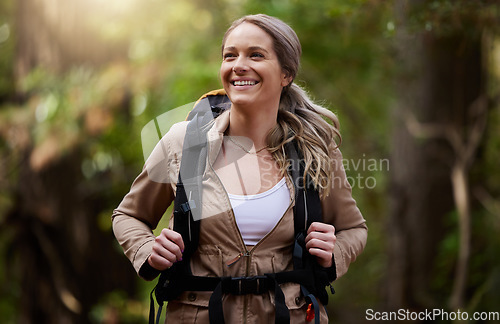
[179, 278]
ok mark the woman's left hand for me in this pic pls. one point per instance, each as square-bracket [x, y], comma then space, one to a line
[320, 241]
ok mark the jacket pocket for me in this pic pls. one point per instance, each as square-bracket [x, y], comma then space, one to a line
[293, 298]
[296, 303]
[206, 262]
[195, 298]
[178, 312]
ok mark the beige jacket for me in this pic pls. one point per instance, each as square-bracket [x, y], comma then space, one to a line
[220, 241]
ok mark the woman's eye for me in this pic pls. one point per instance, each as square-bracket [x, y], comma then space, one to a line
[257, 54]
[227, 56]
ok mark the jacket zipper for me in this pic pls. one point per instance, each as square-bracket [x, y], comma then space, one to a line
[237, 258]
[247, 253]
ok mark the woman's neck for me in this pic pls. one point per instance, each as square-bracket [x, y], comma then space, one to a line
[254, 125]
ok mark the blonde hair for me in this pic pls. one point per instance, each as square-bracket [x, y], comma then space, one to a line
[299, 118]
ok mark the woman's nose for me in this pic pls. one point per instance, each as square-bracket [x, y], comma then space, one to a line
[240, 65]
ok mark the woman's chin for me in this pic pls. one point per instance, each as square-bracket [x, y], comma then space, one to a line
[240, 99]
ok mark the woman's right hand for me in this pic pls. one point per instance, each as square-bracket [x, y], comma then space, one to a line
[167, 250]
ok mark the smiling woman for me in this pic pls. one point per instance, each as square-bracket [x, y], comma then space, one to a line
[250, 246]
[250, 71]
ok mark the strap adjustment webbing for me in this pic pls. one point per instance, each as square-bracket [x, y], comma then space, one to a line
[245, 285]
[248, 285]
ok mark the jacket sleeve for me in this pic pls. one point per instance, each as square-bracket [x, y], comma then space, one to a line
[340, 210]
[141, 209]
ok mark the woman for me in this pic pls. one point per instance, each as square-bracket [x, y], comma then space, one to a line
[248, 197]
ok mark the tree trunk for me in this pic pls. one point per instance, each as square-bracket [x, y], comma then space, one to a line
[440, 77]
[65, 262]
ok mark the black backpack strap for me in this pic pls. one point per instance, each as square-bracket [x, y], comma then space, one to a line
[188, 197]
[296, 170]
[248, 285]
[307, 207]
[188, 200]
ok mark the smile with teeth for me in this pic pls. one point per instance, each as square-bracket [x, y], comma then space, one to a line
[244, 83]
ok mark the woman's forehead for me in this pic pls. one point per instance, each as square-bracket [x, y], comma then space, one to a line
[248, 35]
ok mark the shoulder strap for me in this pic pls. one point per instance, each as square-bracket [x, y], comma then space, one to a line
[188, 195]
[188, 200]
[307, 209]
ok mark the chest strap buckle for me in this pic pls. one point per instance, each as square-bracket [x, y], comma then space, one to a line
[245, 285]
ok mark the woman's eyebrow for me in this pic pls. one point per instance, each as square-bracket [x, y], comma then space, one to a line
[229, 48]
[251, 48]
[257, 48]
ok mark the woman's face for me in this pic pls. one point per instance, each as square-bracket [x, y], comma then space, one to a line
[250, 71]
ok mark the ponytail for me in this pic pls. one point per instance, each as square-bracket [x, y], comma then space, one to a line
[300, 119]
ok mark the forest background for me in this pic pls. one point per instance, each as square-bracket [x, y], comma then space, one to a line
[415, 85]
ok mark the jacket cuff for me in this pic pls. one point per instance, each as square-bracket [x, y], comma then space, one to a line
[331, 271]
[148, 272]
[140, 258]
[338, 261]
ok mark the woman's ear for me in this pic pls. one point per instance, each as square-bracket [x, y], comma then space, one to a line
[286, 80]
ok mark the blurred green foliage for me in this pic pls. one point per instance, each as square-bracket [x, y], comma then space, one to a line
[173, 58]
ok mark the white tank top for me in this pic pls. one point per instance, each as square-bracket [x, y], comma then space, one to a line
[256, 215]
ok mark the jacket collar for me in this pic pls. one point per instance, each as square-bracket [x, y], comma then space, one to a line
[215, 135]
